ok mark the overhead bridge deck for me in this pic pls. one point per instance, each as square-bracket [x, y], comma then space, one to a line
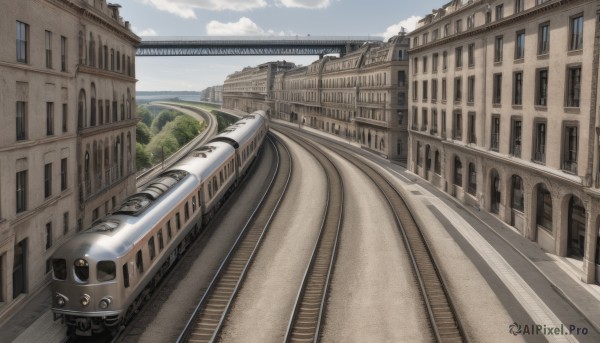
[250, 45]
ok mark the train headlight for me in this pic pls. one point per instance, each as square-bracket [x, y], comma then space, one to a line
[85, 300]
[61, 300]
[105, 302]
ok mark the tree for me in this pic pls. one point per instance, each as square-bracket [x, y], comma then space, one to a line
[144, 114]
[164, 142]
[141, 157]
[162, 119]
[142, 133]
[184, 128]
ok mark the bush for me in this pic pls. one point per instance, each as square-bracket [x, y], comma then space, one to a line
[164, 142]
[142, 133]
[163, 118]
[184, 128]
[144, 114]
[141, 157]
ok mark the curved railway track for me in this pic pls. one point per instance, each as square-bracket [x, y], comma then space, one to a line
[207, 319]
[443, 319]
[309, 308]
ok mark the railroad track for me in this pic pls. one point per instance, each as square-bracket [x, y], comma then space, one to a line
[309, 308]
[207, 319]
[441, 313]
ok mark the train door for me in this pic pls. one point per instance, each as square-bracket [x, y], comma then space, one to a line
[20, 269]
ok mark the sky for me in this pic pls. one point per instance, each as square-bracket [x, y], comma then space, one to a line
[182, 18]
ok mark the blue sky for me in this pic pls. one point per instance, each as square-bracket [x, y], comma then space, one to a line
[253, 18]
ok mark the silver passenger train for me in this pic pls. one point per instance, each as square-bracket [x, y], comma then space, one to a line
[103, 275]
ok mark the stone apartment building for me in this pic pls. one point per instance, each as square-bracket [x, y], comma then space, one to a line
[67, 87]
[361, 96]
[504, 116]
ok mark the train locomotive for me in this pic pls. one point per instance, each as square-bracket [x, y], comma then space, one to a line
[102, 275]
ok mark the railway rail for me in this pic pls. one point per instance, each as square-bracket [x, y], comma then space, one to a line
[309, 307]
[208, 317]
[443, 318]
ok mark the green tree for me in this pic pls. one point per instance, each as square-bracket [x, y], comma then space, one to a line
[163, 118]
[141, 157]
[184, 128]
[164, 142]
[142, 133]
[144, 114]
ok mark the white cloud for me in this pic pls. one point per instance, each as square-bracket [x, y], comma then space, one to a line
[309, 4]
[409, 24]
[185, 8]
[145, 32]
[243, 27]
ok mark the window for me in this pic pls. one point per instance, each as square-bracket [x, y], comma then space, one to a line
[434, 89]
[21, 121]
[414, 90]
[125, 275]
[443, 123]
[495, 136]
[65, 223]
[471, 89]
[48, 180]
[471, 138]
[470, 21]
[139, 261]
[446, 29]
[434, 63]
[424, 119]
[434, 121]
[457, 171]
[186, 211]
[539, 144]
[425, 86]
[471, 55]
[424, 64]
[435, 35]
[63, 53]
[443, 89]
[576, 36]
[48, 235]
[517, 126]
[415, 65]
[401, 78]
[458, 26]
[517, 193]
[169, 232]
[573, 86]
[518, 88]
[48, 49]
[472, 187]
[544, 39]
[519, 6]
[21, 186]
[49, 118]
[458, 89]
[59, 267]
[64, 118]
[498, 44]
[458, 57]
[544, 208]
[415, 42]
[541, 98]
[177, 221]
[497, 95]
[415, 119]
[457, 129]
[570, 149]
[444, 60]
[499, 12]
[161, 244]
[520, 45]
[22, 42]
[425, 38]
[151, 248]
[106, 271]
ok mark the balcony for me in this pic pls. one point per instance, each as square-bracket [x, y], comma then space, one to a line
[374, 122]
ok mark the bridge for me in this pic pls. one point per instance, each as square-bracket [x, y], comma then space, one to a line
[250, 45]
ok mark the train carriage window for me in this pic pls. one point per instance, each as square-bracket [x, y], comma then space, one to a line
[59, 267]
[82, 269]
[106, 271]
[186, 212]
[221, 177]
[139, 262]
[151, 248]
[169, 235]
[194, 203]
[209, 189]
[159, 235]
[126, 275]
[177, 221]
[215, 186]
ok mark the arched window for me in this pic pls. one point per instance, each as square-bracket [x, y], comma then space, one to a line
[81, 110]
[457, 171]
[472, 189]
[517, 193]
[92, 51]
[81, 48]
[576, 228]
[544, 208]
[93, 105]
[437, 166]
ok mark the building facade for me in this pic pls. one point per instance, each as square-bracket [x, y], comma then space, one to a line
[360, 97]
[67, 87]
[504, 116]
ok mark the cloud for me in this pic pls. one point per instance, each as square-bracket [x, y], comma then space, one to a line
[308, 4]
[243, 27]
[409, 24]
[185, 8]
[145, 32]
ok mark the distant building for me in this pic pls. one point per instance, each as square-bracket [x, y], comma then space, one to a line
[504, 116]
[67, 140]
[360, 97]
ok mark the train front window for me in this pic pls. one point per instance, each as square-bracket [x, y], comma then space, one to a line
[82, 269]
[59, 266]
[107, 270]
